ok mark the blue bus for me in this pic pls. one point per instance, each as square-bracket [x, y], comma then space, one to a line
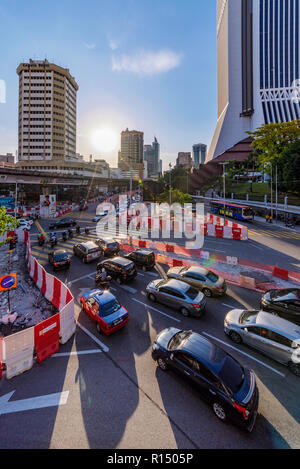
[238, 212]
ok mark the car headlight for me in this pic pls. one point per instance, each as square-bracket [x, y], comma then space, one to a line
[226, 322]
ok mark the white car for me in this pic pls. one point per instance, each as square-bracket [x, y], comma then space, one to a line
[25, 220]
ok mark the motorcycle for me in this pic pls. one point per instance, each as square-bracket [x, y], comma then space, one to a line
[104, 284]
[86, 230]
[41, 241]
[53, 242]
[290, 224]
[70, 233]
[78, 230]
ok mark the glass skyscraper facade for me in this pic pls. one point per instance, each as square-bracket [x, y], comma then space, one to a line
[199, 154]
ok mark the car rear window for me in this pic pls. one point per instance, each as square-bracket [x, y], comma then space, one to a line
[192, 293]
[212, 277]
[61, 256]
[232, 374]
[110, 307]
[91, 251]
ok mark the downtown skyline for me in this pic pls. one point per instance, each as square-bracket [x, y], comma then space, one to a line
[145, 66]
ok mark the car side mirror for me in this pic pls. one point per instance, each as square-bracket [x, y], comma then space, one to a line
[246, 330]
[172, 356]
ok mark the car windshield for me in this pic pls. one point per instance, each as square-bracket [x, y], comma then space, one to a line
[110, 307]
[232, 374]
[192, 293]
[248, 317]
[178, 339]
[129, 266]
[91, 251]
[212, 277]
[62, 256]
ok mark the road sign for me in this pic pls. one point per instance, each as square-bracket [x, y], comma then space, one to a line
[7, 282]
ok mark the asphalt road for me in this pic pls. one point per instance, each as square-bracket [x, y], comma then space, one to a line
[118, 398]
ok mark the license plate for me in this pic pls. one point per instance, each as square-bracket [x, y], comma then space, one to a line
[118, 322]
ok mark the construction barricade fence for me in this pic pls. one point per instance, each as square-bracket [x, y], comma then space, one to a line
[18, 351]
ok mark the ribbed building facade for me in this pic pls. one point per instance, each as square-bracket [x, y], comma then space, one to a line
[258, 45]
[47, 112]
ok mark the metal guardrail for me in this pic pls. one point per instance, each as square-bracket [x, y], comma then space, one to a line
[291, 209]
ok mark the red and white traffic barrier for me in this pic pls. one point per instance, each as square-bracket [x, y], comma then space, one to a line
[17, 350]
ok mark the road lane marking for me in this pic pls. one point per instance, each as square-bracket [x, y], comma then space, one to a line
[101, 345]
[129, 289]
[83, 352]
[40, 402]
[80, 278]
[244, 353]
[230, 306]
[157, 310]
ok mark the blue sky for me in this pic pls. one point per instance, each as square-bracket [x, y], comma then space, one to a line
[148, 65]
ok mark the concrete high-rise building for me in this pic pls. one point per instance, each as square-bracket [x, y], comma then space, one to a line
[47, 112]
[258, 67]
[184, 159]
[152, 157]
[199, 154]
[131, 156]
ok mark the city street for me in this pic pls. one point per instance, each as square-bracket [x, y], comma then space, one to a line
[116, 397]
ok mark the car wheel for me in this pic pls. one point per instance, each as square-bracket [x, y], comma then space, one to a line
[185, 312]
[207, 292]
[219, 411]
[152, 297]
[295, 368]
[162, 364]
[235, 337]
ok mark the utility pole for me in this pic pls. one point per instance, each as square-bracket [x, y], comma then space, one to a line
[16, 200]
[170, 166]
[224, 186]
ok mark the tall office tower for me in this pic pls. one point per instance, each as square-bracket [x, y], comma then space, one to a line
[47, 112]
[258, 44]
[152, 156]
[131, 156]
[199, 154]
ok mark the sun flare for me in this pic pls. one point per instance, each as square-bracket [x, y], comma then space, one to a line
[104, 139]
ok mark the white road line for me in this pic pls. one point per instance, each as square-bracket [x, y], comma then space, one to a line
[157, 310]
[101, 345]
[129, 289]
[83, 352]
[246, 354]
[80, 278]
[142, 275]
[229, 306]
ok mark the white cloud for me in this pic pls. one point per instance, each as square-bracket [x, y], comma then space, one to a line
[147, 62]
[113, 44]
[89, 46]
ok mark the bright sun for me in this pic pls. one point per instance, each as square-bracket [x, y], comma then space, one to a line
[104, 139]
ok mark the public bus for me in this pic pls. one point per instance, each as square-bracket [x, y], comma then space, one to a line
[236, 211]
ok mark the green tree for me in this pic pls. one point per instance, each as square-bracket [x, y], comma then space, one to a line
[288, 166]
[271, 140]
[176, 196]
[7, 223]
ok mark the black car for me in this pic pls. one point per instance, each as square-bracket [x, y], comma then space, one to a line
[285, 303]
[88, 251]
[62, 223]
[59, 259]
[221, 380]
[108, 246]
[119, 268]
[142, 258]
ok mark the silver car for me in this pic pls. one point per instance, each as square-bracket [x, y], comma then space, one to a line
[270, 334]
[177, 295]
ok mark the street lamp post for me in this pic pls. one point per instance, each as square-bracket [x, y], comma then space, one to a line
[224, 187]
[170, 194]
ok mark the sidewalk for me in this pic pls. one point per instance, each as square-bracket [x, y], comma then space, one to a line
[277, 224]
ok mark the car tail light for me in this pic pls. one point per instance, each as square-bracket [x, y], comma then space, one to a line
[197, 305]
[69, 261]
[241, 409]
[55, 264]
[87, 257]
[219, 288]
